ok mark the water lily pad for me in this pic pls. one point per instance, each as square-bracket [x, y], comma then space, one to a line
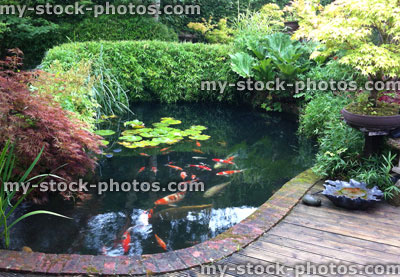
[200, 137]
[160, 124]
[143, 143]
[198, 127]
[131, 138]
[134, 123]
[170, 120]
[104, 132]
[145, 130]
[104, 142]
[130, 132]
[190, 132]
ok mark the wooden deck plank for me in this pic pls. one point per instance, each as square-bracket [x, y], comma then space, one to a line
[377, 221]
[358, 230]
[242, 259]
[323, 235]
[347, 244]
[324, 251]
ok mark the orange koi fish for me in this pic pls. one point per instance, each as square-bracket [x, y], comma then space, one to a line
[183, 175]
[198, 151]
[126, 240]
[193, 177]
[144, 154]
[229, 172]
[198, 143]
[174, 167]
[164, 149]
[154, 169]
[170, 199]
[142, 169]
[202, 167]
[160, 242]
[223, 161]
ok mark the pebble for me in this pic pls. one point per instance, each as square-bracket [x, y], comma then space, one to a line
[311, 200]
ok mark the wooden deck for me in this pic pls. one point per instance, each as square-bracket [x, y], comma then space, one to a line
[322, 235]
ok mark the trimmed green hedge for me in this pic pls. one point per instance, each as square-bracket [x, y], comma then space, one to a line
[114, 27]
[155, 70]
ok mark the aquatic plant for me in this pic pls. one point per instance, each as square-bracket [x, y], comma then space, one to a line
[7, 166]
[32, 122]
[160, 134]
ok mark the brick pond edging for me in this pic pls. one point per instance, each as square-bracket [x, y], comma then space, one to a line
[225, 244]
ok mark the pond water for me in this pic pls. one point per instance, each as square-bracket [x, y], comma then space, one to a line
[264, 145]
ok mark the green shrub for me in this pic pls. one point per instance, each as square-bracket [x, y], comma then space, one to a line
[155, 70]
[72, 89]
[32, 35]
[340, 153]
[114, 27]
[319, 112]
[217, 9]
[332, 70]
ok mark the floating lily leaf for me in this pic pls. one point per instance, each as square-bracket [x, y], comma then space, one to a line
[153, 143]
[170, 121]
[104, 142]
[160, 124]
[104, 132]
[144, 130]
[134, 124]
[131, 146]
[190, 132]
[143, 143]
[149, 135]
[198, 127]
[130, 132]
[200, 137]
[131, 138]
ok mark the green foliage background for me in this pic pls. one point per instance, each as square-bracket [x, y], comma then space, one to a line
[155, 70]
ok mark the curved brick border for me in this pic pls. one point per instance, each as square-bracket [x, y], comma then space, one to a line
[225, 244]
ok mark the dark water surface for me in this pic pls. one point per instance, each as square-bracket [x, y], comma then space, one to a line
[265, 145]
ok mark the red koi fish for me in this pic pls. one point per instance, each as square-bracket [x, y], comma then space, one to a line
[197, 151]
[229, 172]
[126, 240]
[160, 242]
[170, 199]
[223, 161]
[154, 169]
[183, 175]
[198, 144]
[142, 169]
[150, 213]
[144, 154]
[164, 149]
[231, 158]
[202, 167]
[174, 167]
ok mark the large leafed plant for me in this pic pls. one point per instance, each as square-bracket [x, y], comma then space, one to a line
[364, 34]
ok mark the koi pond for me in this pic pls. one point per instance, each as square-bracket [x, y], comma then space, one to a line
[241, 157]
